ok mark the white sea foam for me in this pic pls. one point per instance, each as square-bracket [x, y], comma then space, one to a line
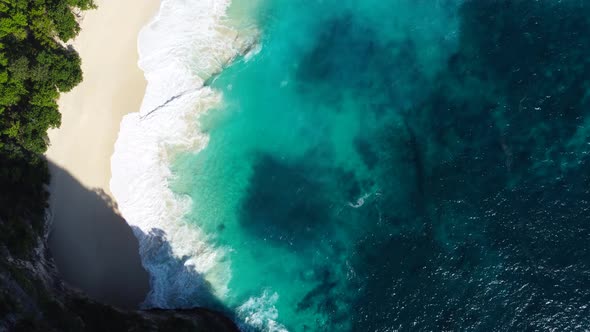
[260, 314]
[183, 45]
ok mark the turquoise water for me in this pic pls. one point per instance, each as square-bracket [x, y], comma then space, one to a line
[372, 166]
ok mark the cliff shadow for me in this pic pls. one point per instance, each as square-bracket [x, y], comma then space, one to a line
[97, 252]
[92, 245]
[173, 279]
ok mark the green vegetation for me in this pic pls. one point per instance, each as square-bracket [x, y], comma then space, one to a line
[35, 66]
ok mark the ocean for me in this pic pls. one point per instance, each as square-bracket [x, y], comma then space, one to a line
[347, 165]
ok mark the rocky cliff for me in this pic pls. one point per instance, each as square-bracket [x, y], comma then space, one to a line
[33, 298]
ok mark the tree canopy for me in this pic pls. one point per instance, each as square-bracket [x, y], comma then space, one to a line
[35, 66]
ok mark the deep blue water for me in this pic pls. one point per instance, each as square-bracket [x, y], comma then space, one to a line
[404, 165]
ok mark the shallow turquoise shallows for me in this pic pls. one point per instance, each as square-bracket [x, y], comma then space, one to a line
[359, 165]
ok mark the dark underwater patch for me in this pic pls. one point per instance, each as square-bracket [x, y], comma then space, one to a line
[367, 152]
[286, 203]
[349, 60]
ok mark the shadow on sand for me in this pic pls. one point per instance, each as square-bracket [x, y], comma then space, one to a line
[93, 247]
[96, 251]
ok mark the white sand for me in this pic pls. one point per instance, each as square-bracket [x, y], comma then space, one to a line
[93, 247]
[113, 86]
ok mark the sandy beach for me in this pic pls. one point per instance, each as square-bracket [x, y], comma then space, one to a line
[94, 248]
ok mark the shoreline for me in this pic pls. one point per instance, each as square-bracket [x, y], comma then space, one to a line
[186, 43]
[93, 247]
